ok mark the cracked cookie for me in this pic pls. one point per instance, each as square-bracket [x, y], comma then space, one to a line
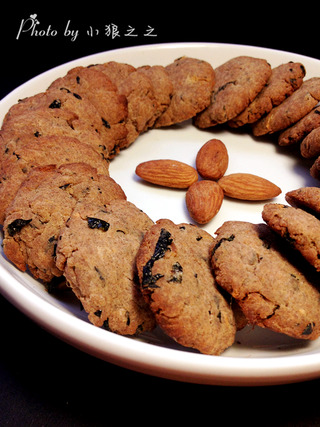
[193, 80]
[42, 205]
[251, 262]
[177, 282]
[292, 109]
[284, 80]
[22, 154]
[298, 227]
[97, 252]
[237, 83]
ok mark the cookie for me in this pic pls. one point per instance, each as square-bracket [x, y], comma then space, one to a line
[177, 282]
[315, 169]
[250, 262]
[46, 122]
[20, 156]
[97, 252]
[237, 83]
[300, 103]
[298, 131]
[298, 227]
[307, 198]
[193, 82]
[310, 145]
[64, 99]
[284, 80]
[115, 71]
[93, 84]
[42, 205]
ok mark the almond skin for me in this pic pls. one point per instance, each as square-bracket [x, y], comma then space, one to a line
[246, 186]
[212, 159]
[204, 200]
[167, 173]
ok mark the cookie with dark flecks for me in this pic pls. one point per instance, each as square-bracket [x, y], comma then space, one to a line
[254, 265]
[20, 156]
[65, 99]
[237, 83]
[292, 109]
[93, 84]
[46, 122]
[284, 80]
[298, 227]
[307, 198]
[40, 208]
[177, 282]
[193, 80]
[97, 251]
[310, 145]
[298, 131]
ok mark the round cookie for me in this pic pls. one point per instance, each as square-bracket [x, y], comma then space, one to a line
[20, 156]
[97, 252]
[193, 82]
[237, 83]
[94, 85]
[284, 80]
[42, 205]
[177, 282]
[298, 227]
[64, 99]
[250, 262]
[292, 109]
[310, 145]
[300, 129]
[307, 198]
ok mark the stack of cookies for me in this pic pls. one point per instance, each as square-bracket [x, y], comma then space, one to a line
[63, 216]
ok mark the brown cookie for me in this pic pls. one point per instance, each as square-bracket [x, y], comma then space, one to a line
[300, 103]
[284, 80]
[251, 263]
[193, 80]
[93, 84]
[177, 282]
[97, 252]
[315, 169]
[298, 227]
[307, 198]
[42, 205]
[20, 156]
[310, 145]
[237, 83]
[298, 131]
[64, 99]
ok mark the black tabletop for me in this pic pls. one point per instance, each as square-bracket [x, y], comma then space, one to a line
[46, 382]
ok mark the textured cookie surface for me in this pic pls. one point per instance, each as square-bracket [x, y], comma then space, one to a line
[249, 264]
[301, 128]
[284, 80]
[176, 280]
[299, 227]
[193, 82]
[237, 83]
[20, 155]
[300, 103]
[307, 198]
[40, 208]
[310, 145]
[97, 252]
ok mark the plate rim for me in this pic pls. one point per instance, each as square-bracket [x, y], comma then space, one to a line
[278, 369]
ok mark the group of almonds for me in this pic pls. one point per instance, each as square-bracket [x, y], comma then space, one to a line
[204, 196]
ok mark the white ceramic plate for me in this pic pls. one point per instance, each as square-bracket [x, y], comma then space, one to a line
[259, 357]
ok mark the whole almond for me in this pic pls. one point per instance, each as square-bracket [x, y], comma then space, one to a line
[212, 159]
[204, 200]
[246, 186]
[167, 173]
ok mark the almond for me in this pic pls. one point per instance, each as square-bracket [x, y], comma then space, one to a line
[167, 173]
[246, 186]
[212, 159]
[204, 200]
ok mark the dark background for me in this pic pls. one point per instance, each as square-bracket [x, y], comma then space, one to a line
[45, 382]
